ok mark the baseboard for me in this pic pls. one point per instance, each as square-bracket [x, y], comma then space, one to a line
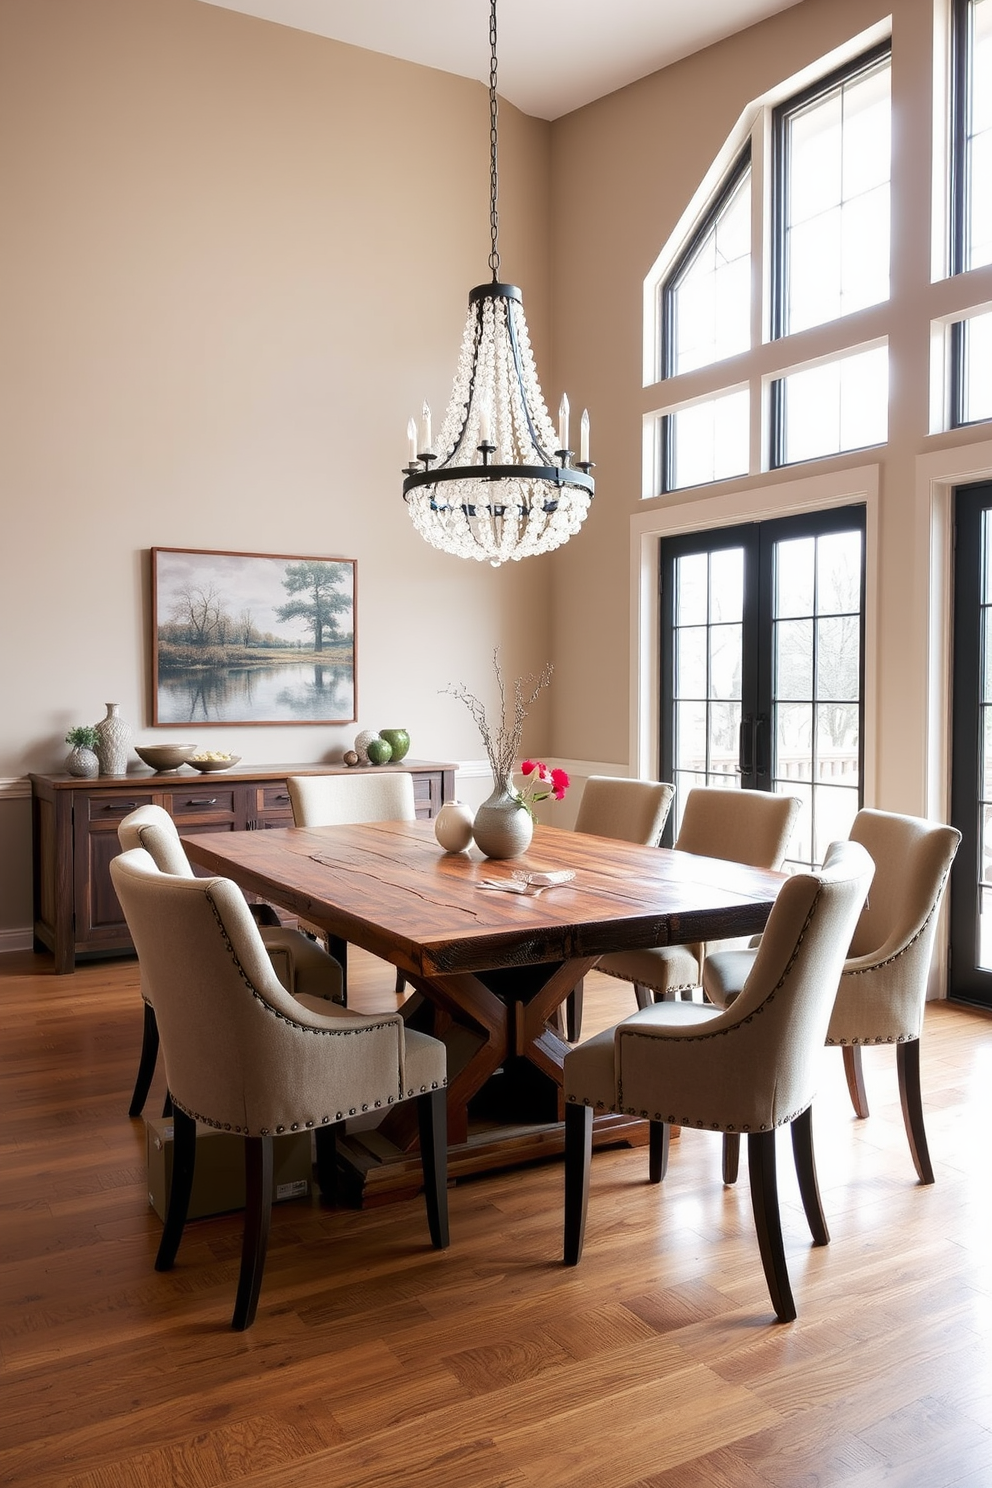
[16, 940]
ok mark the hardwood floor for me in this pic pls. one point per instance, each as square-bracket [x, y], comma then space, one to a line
[378, 1362]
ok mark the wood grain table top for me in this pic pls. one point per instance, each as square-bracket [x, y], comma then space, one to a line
[390, 888]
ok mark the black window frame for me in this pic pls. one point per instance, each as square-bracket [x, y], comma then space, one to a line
[960, 204]
[847, 73]
[686, 258]
[758, 539]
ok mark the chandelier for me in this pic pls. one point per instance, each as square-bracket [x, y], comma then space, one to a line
[500, 481]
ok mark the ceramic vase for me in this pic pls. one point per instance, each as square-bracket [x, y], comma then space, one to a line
[453, 826]
[113, 742]
[361, 744]
[399, 742]
[503, 828]
[379, 751]
[82, 762]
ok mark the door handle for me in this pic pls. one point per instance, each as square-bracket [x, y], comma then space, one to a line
[761, 761]
[745, 745]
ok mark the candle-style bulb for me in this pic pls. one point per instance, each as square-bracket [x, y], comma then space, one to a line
[411, 434]
[563, 422]
[584, 438]
[485, 422]
[426, 445]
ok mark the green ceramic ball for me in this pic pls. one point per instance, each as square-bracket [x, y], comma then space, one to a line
[398, 740]
[380, 751]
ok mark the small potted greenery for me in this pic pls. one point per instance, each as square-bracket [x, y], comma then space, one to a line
[82, 759]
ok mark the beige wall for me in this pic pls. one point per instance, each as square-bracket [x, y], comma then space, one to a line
[236, 258]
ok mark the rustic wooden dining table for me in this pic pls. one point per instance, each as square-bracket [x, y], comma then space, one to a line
[490, 969]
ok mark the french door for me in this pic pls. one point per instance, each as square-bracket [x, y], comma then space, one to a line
[762, 646]
[970, 977]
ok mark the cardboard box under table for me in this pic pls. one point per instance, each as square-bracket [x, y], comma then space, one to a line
[219, 1176]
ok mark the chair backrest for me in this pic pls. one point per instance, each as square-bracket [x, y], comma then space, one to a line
[755, 1065]
[884, 985]
[152, 828]
[337, 800]
[630, 810]
[742, 826]
[240, 1052]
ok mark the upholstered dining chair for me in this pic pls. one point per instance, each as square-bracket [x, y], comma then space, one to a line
[883, 983]
[298, 962]
[740, 826]
[751, 1067]
[244, 1056]
[630, 810]
[340, 800]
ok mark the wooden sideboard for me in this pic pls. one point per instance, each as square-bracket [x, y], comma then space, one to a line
[76, 912]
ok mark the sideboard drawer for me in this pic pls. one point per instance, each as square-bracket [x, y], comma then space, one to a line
[196, 803]
[109, 807]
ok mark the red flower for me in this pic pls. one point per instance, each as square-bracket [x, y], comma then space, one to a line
[556, 781]
[559, 784]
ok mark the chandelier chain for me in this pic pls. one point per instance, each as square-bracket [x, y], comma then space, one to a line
[493, 147]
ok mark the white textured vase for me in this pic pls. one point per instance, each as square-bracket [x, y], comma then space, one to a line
[82, 762]
[113, 747]
[453, 826]
[503, 828]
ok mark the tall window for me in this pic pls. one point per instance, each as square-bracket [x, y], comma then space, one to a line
[706, 301]
[706, 316]
[833, 156]
[825, 240]
[972, 204]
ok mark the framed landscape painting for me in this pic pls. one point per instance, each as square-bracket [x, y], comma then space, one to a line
[252, 638]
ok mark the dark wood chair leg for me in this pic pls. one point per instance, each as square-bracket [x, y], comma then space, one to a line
[856, 1079]
[809, 1189]
[578, 1160]
[183, 1166]
[659, 1135]
[573, 1012]
[731, 1156]
[167, 1105]
[146, 1064]
[768, 1222]
[911, 1097]
[644, 995]
[258, 1213]
[326, 1142]
[338, 948]
[432, 1121]
[400, 983]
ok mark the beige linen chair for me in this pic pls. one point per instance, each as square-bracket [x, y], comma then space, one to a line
[883, 983]
[244, 1056]
[750, 1068]
[740, 826]
[340, 800]
[299, 964]
[631, 811]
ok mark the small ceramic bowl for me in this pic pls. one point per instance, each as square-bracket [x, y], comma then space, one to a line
[207, 765]
[164, 757]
